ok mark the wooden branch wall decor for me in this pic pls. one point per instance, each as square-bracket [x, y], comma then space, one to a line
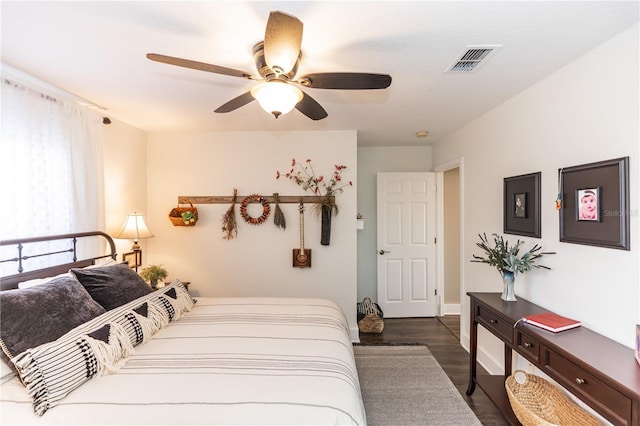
[282, 199]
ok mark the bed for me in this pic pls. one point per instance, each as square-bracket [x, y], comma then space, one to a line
[163, 357]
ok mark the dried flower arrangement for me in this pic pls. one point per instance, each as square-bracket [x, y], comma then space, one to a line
[278, 216]
[305, 176]
[229, 224]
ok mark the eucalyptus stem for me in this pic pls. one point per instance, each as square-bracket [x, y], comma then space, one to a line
[507, 258]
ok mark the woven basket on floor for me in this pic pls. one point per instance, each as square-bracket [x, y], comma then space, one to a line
[371, 323]
[370, 317]
[536, 402]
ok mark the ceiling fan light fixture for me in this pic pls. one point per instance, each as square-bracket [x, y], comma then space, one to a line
[276, 97]
[277, 59]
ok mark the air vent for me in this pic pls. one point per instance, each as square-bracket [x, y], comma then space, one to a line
[471, 58]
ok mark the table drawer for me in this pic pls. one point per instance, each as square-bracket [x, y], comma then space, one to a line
[528, 346]
[613, 404]
[494, 323]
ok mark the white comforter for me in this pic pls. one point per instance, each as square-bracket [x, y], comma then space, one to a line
[229, 361]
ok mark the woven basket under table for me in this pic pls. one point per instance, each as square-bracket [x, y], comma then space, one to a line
[536, 402]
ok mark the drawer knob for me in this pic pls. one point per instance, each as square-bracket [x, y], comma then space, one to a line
[580, 381]
[493, 321]
[528, 345]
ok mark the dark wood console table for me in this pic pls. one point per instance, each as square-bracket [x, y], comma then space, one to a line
[601, 372]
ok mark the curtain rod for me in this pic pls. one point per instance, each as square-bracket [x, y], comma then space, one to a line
[32, 82]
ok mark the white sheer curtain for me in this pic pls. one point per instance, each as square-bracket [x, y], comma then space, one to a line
[51, 172]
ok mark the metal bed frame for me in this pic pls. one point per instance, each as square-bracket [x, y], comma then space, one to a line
[11, 281]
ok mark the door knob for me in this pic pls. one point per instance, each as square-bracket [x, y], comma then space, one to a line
[383, 251]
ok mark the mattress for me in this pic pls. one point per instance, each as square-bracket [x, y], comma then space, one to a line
[228, 361]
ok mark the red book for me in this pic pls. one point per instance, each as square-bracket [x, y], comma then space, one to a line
[550, 321]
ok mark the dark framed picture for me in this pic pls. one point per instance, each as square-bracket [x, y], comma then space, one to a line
[133, 258]
[521, 205]
[595, 204]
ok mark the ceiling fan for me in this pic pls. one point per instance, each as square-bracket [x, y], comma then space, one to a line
[277, 59]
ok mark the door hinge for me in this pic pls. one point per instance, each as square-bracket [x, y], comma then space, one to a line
[435, 292]
[435, 240]
[435, 188]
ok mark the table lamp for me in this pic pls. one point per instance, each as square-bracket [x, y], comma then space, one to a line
[135, 228]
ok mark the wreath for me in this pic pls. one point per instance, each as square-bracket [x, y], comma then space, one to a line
[255, 198]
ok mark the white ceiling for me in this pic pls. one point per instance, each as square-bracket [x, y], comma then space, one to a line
[96, 50]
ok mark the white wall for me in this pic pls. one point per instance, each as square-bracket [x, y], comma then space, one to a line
[372, 160]
[125, 178]
[451, 240]
[259, 261]
[585, 112]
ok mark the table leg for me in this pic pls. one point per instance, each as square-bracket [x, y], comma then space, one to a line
[473, 355]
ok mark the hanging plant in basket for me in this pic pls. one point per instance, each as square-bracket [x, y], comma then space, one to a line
[304, 175]
[184, 216]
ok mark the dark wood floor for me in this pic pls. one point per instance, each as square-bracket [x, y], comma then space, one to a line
[440, 335]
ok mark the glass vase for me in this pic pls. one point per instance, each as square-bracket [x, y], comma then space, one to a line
[508, 279]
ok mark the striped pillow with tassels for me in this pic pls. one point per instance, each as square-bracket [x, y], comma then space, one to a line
[98, 347]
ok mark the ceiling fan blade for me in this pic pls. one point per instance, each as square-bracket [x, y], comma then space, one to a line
[311, 108]
[282, 41]
[198, 65]
[346, 81]
[236, 103]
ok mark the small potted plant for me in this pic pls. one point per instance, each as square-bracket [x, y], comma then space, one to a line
[188, 218]
[154, 273]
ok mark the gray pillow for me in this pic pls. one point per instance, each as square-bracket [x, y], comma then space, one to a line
[41, 314]
[112, 286]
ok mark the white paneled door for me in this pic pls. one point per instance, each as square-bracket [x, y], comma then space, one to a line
[406, 244]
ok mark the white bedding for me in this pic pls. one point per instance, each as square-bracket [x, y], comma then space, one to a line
[249, 361]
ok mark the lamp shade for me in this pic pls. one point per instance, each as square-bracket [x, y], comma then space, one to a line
[276, 97]
[134, 228]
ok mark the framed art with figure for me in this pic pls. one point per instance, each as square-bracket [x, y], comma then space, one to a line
[521, 205]
[133, 258]
[595, 204]
[587, 202]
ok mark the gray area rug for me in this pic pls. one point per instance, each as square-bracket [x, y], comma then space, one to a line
[405, 385]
